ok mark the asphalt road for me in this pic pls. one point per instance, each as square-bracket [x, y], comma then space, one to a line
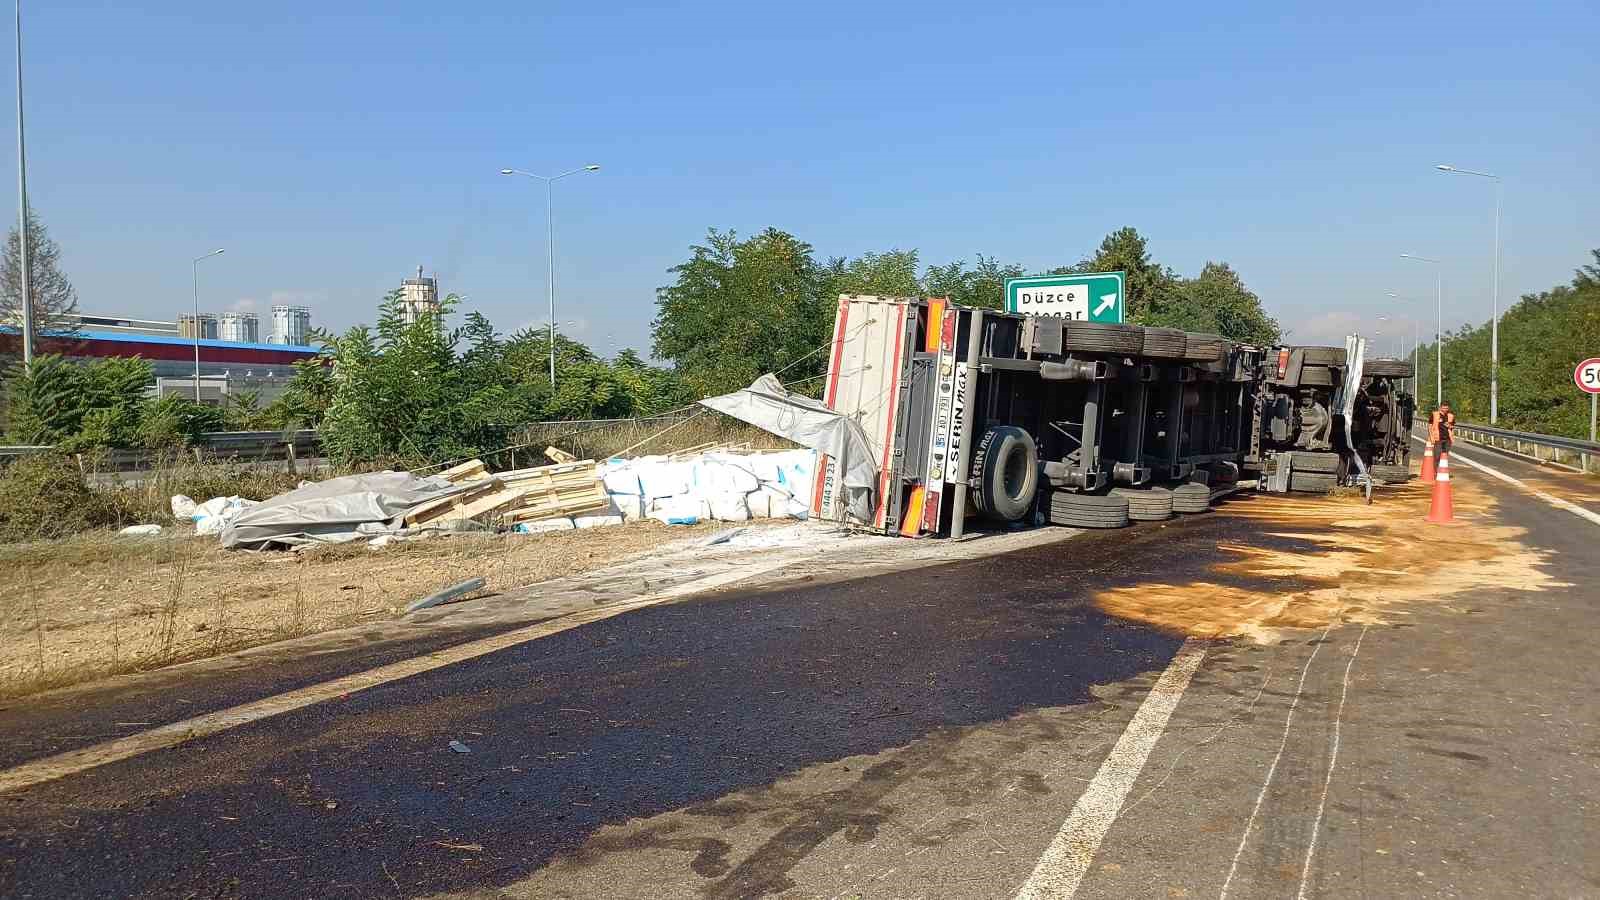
[931, 733]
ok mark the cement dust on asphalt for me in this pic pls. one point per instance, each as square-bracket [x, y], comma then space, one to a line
[1317, 560]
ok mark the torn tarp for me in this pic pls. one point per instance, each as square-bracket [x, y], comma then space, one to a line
[336, 510]
[768, 405]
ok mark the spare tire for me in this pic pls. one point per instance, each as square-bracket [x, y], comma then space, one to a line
[1103, 337]
[1005, 473]
[1387, 368]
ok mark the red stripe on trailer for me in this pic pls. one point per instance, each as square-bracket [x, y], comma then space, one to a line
[881, 516]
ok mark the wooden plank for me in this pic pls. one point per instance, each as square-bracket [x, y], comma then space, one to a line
[559, 456]
[436, 507]
[490, 503]
[464, 471]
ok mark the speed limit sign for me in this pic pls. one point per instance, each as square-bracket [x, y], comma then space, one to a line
[1587, 375]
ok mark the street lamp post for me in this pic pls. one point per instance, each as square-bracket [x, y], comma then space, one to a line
[194, 268]
[22, 215]
[550, 248]
[1414, 344]
[1438, 324]
[1494, 321]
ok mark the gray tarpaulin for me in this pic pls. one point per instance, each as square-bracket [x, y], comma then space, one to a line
[339, 509]
[768, 405]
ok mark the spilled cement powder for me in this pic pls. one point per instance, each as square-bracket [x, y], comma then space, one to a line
[1329, 559]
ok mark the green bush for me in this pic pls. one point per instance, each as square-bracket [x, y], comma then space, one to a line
[45, 496]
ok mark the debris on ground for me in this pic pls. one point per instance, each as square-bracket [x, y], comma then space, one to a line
[459, 747]
[141, 530]
[450, 593]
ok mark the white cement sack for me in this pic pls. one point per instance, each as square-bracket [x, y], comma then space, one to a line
[681, 510]
[596, 521]
[759, 503]
[629, 506]
[213, 515]
[726, 472]
[183, 507]
[728, 506]
[620, 478]
[664, 479]
[141, 530]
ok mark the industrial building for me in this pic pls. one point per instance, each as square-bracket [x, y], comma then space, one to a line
[419, 296]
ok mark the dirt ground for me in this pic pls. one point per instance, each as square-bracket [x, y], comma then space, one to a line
[101, 604]
[1322, 560]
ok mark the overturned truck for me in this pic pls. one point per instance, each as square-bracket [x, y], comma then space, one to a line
[974, 412]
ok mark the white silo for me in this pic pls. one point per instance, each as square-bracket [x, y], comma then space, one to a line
[242, 328]
[290, 325]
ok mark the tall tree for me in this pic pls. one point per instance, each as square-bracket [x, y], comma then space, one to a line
[1149, 285]
[54, 297]
[982, 285]
[1216, 301]
[739, 308]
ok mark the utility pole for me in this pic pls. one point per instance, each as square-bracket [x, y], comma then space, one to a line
[22, 215]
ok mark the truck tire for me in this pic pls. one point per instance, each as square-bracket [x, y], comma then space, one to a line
[1088, 510]
[1164, 343]
[1392, 474]
[1146, 504]
[1005, 473]
[1191, 498]
[1205, 347]
[1103, 337]
[1312, 482]
[1324, 356]
[1320, 463]
[1388, 368]
[1316, 376]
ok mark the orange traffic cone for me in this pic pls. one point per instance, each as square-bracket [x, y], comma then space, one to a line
[1441, 510]
[1427, 462]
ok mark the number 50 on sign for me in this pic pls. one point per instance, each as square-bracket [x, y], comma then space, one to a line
[1587, 375]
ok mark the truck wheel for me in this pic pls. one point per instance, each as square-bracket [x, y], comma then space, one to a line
[1389, 368]
[1321, 463]
[1103, 337]
[1391, 473]
[1191, 498]
[1316, 376]
[1312, 482]
[1005, 473]
[1088, 510]
[1146, 504]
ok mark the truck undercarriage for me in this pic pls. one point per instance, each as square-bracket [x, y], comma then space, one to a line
[1020, 418]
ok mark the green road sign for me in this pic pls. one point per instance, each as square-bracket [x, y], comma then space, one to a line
[1091, 297]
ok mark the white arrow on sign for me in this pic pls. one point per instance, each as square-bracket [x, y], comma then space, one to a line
[1107, 301]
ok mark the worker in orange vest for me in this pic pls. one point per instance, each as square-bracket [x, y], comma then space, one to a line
[1441, 428]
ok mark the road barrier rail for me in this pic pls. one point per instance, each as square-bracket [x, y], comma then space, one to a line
[249, 445]
[1571, 453]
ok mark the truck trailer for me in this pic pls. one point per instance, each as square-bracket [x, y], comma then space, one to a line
[1014, 418]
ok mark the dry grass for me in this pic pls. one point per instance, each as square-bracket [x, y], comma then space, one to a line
[642, 437]
[97, 604]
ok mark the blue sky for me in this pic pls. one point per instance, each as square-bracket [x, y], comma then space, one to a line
[331, 152]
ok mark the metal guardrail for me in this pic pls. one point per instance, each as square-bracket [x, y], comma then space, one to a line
[241, 444]
[1528, 445]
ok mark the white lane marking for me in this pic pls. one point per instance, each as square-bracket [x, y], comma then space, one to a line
[1064, 863]
[1272, 770]
[1551, 499]
[75, 761]
[1333, 760]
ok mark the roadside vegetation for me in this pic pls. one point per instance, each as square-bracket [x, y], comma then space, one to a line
[1543, 337]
